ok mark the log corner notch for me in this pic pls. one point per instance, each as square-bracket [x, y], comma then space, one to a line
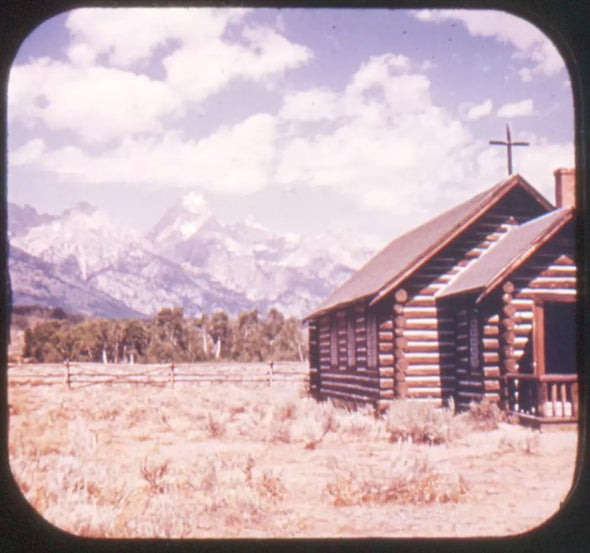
[400, 364]
[507, 337]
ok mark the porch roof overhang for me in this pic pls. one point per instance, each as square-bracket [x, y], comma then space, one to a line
[509, 253]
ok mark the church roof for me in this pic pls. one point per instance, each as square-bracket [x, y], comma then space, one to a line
[401, 257]
[517, 245]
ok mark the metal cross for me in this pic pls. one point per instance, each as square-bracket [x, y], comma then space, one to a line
[508, 143]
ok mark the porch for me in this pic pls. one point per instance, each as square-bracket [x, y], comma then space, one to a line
[547, 399]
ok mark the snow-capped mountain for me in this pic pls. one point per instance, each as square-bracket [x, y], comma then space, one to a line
[189, 258]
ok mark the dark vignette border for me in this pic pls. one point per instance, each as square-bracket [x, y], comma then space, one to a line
[567, 23]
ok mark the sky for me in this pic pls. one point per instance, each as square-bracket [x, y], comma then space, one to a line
[366, 121]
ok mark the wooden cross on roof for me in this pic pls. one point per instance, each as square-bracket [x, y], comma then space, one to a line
[508, 143]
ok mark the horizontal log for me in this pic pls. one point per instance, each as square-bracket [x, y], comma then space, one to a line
[420, 300]
[527, 291]
[422, 324]
[424, 370]
[349, 395]
[430, 393]
[386, 372]
[386, 383]
[386, 325]
[427, 358]
[386, 394]
[385, 347]
[491, 343]
[349, 387]
[550, 285]
[420, 312]
[556, 270]
[423, 381]
[418, 335]
[491, 330]
[385, 335]
[433, 345]
[492, 385]
[398, 309]
[385, 360]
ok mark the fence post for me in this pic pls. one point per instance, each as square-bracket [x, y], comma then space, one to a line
[270, 369]
[172, 375]
[68, 379]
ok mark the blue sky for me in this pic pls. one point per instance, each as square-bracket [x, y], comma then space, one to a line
[305, 120]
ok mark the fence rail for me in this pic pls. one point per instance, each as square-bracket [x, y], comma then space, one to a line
[88, 374]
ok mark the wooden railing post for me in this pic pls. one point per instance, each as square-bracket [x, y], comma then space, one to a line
[509, 396]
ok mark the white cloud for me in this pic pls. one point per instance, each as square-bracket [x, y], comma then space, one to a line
[480, 110]
[102, 93]
[129, 35]
[97, 103]
[385, 131]
[530, 43]
[310, 105]
[233, 160]
[28, 153]
[199, 69]
[524, 108]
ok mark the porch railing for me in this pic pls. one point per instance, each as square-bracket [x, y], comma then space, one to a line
[548, 396]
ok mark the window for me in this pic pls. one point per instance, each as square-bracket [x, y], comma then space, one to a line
[351, 339]
[474, 340]
[371, 339]
[334, 342]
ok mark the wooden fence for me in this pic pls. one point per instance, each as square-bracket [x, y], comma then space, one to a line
[76, 375]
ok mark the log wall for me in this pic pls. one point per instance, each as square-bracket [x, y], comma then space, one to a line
[550, 272]
[347, 366]
[506, 321]
[431, 325]
[405, 346]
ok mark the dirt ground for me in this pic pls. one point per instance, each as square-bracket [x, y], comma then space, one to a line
[223, 460]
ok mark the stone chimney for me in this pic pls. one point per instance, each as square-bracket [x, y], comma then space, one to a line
[565, 187]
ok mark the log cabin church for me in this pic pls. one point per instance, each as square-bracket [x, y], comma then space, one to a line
[478, 302]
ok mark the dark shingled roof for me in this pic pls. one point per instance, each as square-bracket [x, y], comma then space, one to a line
[509, 252]
[410, 250]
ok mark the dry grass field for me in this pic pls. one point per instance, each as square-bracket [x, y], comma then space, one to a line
[244, 460]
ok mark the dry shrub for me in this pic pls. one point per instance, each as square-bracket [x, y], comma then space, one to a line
[421, 423]
[485, 415]
[410, 479]
[280, 431]
[271, 485]
[154, 474]
[362, 423]
[528, 444]
[215, 426]
[325, 421]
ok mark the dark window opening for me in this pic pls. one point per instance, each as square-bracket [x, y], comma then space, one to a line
[560, 337]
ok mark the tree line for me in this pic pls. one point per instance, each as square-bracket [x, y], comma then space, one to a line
[169, 337]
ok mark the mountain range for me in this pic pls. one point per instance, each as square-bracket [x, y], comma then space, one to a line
[84, 263]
